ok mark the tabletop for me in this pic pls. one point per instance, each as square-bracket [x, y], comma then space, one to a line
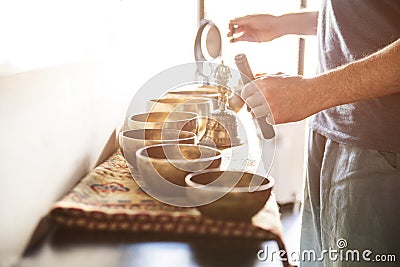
[65, 246]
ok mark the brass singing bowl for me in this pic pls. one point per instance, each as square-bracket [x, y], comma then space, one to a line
[132, 140]
[235, 102]
[210, 93]
[186, 121]
[200, 106]
[246, 194]
[166, 165]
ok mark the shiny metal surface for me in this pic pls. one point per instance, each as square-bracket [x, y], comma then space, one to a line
[246, 195]
[171, 163]
[222, 127]
[221, 130]
[132, 140]
[204, 91]
[200, 106]
[164, 120]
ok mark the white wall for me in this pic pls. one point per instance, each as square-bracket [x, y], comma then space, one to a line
[54, 125]
[68, 70]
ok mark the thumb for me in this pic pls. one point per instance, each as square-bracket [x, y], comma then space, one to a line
[270, 119]
[242, 38]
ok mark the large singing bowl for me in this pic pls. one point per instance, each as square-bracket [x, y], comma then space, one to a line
[201, 106]
[235, 102]
[132, 140]
[210, 93]
[246, 193]
[163, 168]
[186, 121]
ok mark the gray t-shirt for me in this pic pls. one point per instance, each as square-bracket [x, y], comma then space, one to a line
[349, 30]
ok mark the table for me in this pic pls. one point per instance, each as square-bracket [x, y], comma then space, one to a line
[86, 229]
[65, 246]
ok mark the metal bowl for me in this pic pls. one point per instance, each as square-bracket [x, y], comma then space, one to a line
[201, 106]
[201, 92]
[246, 193]
[163, 168]
[132, 140]
[235, 101]
[187, 121]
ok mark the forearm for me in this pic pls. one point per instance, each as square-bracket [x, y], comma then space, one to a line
[304, 23]
[374, 76]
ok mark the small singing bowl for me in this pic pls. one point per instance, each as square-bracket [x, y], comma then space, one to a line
[165, 166]
[186, 121]
[241, 195]
[201, 106]
[132, 140]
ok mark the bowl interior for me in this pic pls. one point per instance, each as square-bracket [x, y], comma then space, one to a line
[163, 116]
[181, 100]
[198, 92]
[233, 181]
[181, 152]
[158, 134]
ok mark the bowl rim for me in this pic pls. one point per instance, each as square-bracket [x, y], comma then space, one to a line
[244, 189]
[183, 100]
[202, 92]
[194, 136]
[195, 116]
[140, 150]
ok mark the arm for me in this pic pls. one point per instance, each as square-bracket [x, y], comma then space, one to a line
[293, 98]
[374, 76]
[265, 27]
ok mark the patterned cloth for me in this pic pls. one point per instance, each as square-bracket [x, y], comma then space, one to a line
[108, 198]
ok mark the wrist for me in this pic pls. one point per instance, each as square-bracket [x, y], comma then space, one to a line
[303, 23]
[283, 24]
[339, 86]
[319, 91]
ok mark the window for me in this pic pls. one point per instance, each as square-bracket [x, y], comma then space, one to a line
[280, 55]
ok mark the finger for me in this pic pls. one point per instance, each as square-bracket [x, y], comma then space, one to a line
[249, 90]
[255, 100]
[263, 111]
[237, 39]
[235, 30]
[270, 119]
[231, 30]
[259, 75]
[260, 111]
[279, 74]
[240, 20]
[243, 37]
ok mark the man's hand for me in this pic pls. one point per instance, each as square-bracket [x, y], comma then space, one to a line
[289, 98]
[265, 27]
[255, 28]
[293, 98]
